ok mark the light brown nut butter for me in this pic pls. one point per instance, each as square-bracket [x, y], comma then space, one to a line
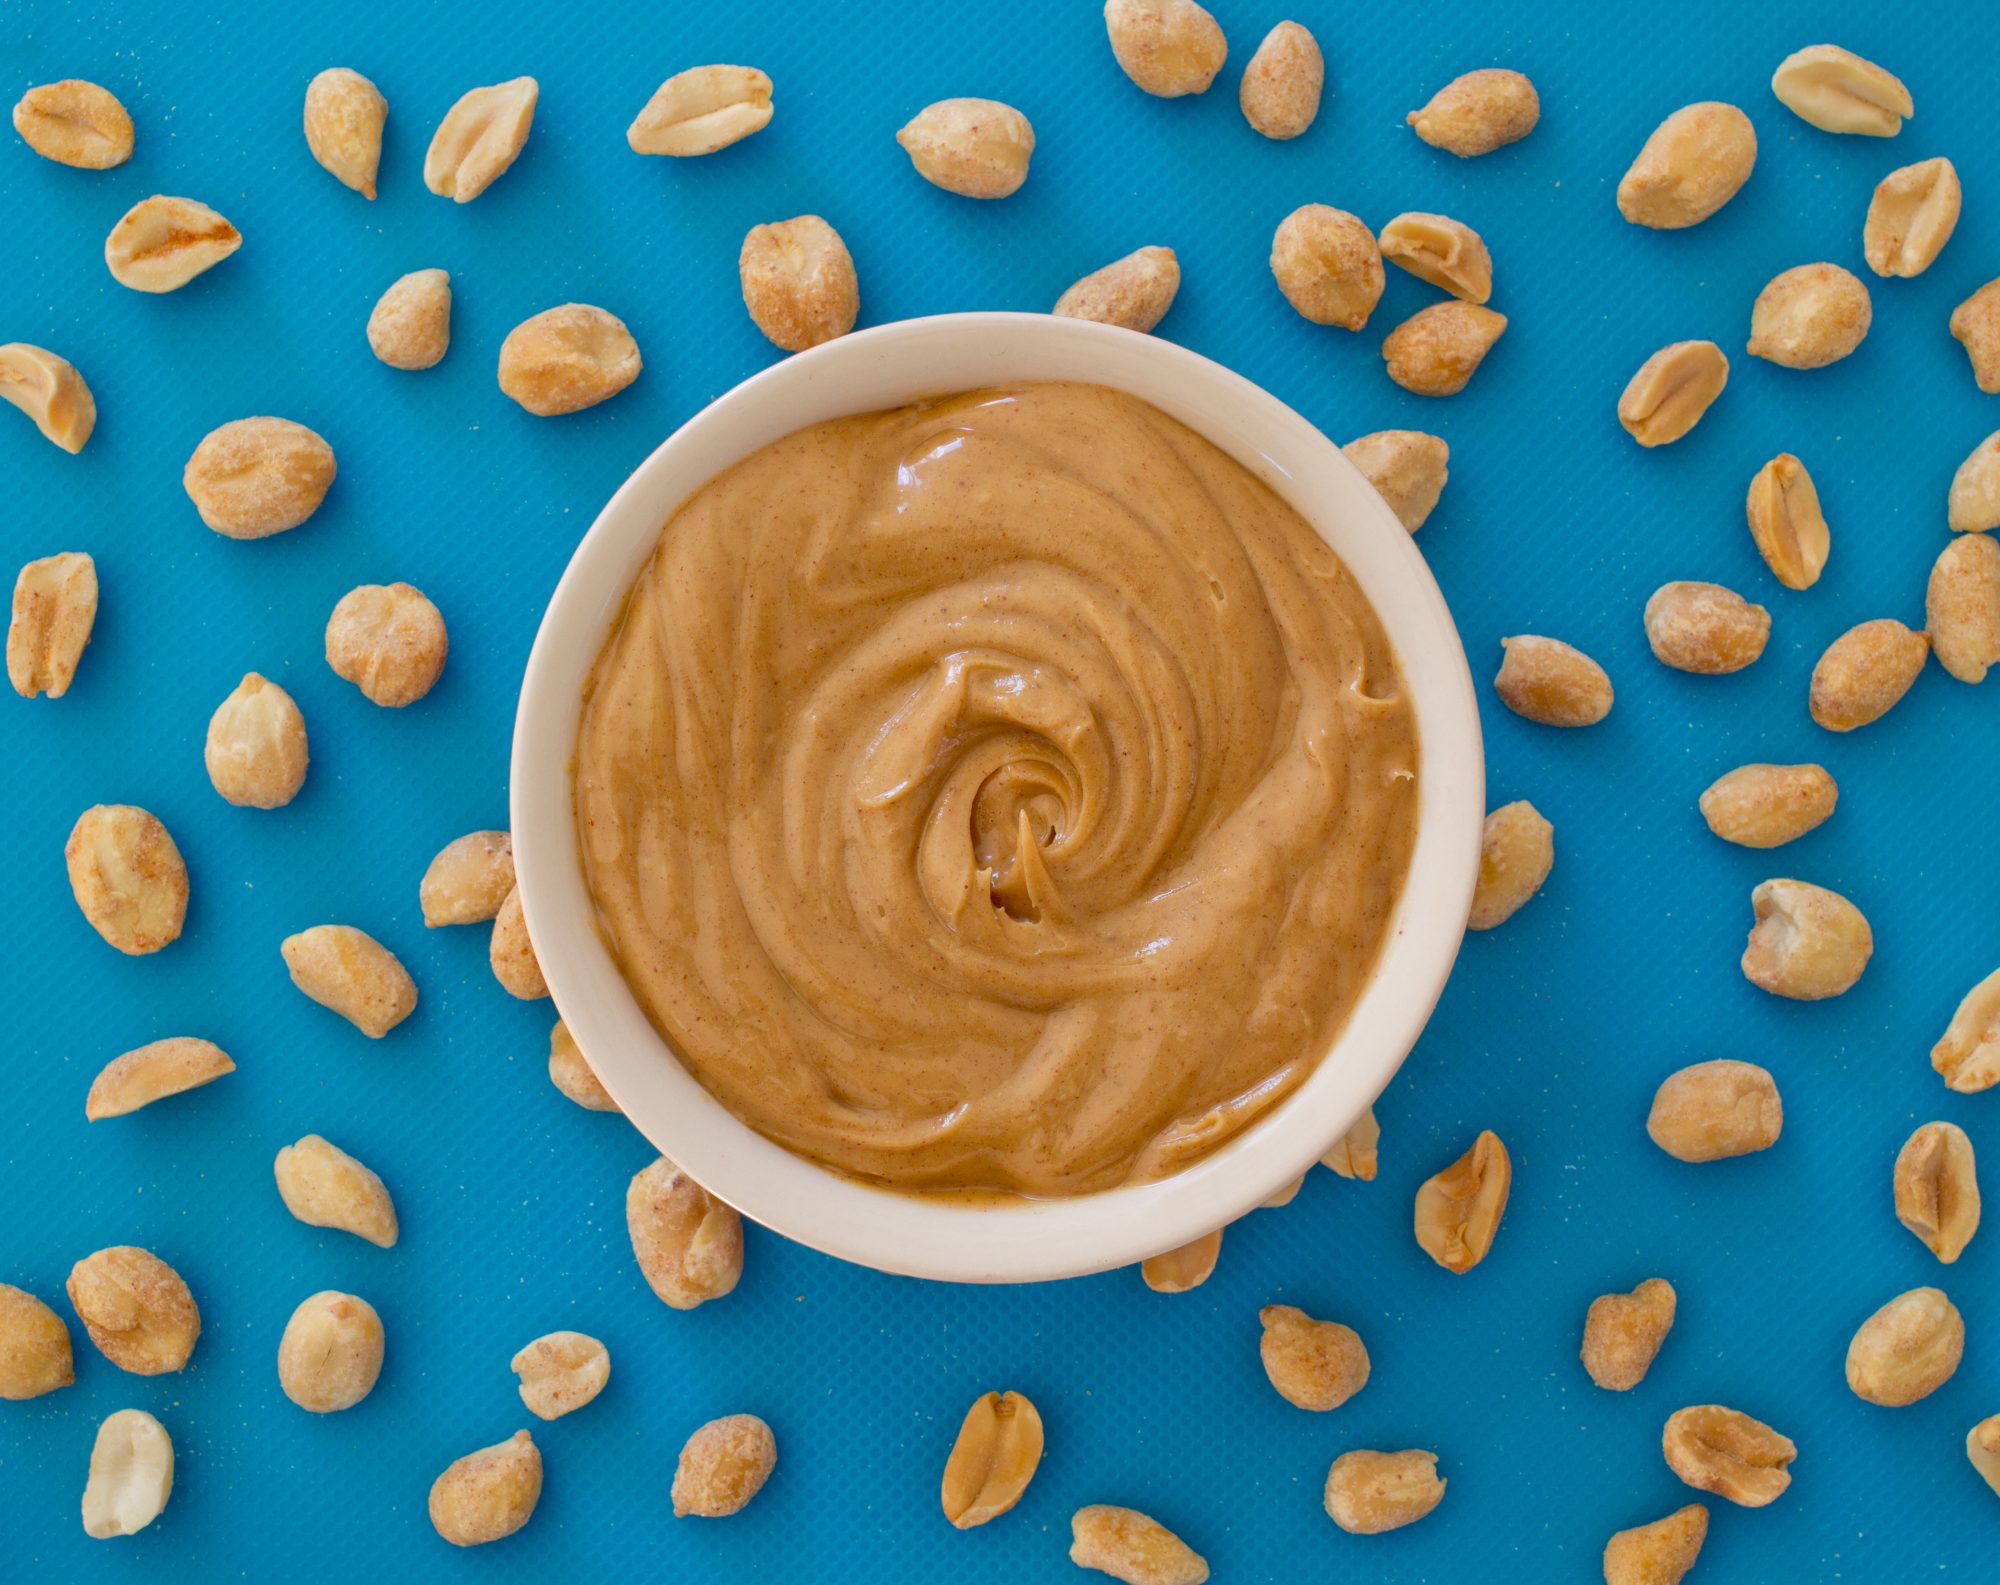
[389, 640]
[1975, 324]
[128, 877]
[1809, 316]
[488, 1495]
[479, 138]
[1703, 627]
[799, 282]
[1660, 1553]
[50, 391]
[1907, 1349]
[1517, 850]
[1170, 48]
[1437, 349]
[999, 1447]
[344, 116]
[1911, 218]
[1962, 607]
[1326, 263]
[1973, 506]
[258, 476]
[350, 972]
[1369, 1492]
[1441, 252]
[1281, 86]
[1622, 1333]
[561, 1372]
[1968, 1056]
[131, 1475]
[1132, 1548]
[688, 1243]
[1727, 1452]
[1459, 1209]
[1936, 1187]
[1551, 682]
[136, 1309]
[567, 358]
[256, 747]
[1786, 522]
[1356, 1153]
[161, 243]
[323, 1186]
[1694, 163]
[1408, 468]
[977, 148]
[1865, 672]
[1479, 112]
[1316, 1365]
[468, 880]
[701, 110]
[1766, 806]
[722, 1466]
[34, 1347]
[331, 1354]
[152, 1072]
[1837, 91]
[571, 1074]
[1668, 394]
[1982, 1446]
[1183, 1269]
[1714, 1110]
[410, 325]
[1133, 293]
[55, 608]
[1808, 943]
[75, 123]
[512, 954]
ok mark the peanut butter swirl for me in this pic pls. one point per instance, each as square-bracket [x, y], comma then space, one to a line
[1006, 792]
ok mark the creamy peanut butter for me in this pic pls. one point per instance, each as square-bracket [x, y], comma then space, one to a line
[1006, 792]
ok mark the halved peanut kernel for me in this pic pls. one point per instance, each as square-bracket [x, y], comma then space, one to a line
[50, 391]
[479, 138]
[561, 1372]
[977, 148]
[1865, 672]
[75, 123]
[1408, 468]
[1837, 91]
[256, 748]
[330, 1356]
[344, 116]
[258, 476]
[1671, 390]
[488, 1495]
[152, 1073]
[1281, 86]
[1907, 1349]
[1551, 682]
[799, 282]
[1622, 1333]
[1459, 1208]
[1516, 852]
[1703, 627]
[1660, 1553]
[1436, 351]
[1973, 506]
[1982, 1446]
[1441, 252]
[702, 110]
[55, 609]
[1727, 1452]
[1786, 522]
[1355, 1155]
[1328, 266]
[1975, 325]
[1936, 1189]
[688, 1243]
[323, 1186]
[162, 243]
[1316, 1365]
[1283, 1196]
[1766, 806]
[1809, 316]
[131, 1475]
[1962, 607]
[1134, 292]
[1714, 1110]
[1180, 1270]
[410, 325]
[1170, 48]
[35, 1355]
[1369, 1492]
[128, 877]
[468, 880]
[389, 640]
[1478, 112]
[1808, 943]
[1132, 1548]
[136, 1309]
[512, 954]
[1911, 218]
[999, 1447]
[722, 1466]
[1969, 1053]
[571, 1074]
[351, 973]
[1694, 163]
[567, 358]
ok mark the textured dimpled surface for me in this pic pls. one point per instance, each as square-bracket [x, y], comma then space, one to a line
[1555, 1029]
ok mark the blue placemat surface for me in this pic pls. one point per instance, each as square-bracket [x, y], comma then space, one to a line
[1554, 1031]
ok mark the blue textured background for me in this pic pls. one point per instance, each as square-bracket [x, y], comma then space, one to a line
[1554, 1031]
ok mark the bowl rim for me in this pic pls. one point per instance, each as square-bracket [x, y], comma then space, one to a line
[937, 1236]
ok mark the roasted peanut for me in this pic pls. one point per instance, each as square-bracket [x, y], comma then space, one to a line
[350, 972]
[977, 148]
[344, 116]
[1622, 1333]
[1134, 292]
[1969, 1054]
[688, 1243]
[34, 1347]
[488, 1495]
[1516, 852]
[1714, 1110]
[512, 954]
[1551, 682]
[1727, 1452]
[162, 243]
[323, 1186]
[258, 476]
[55, 608]
[1354, 1156]
[1660, 1553]
[1408, 468]
[1703, 627]
[468, 880]
[75, 123]
[1982, 1446]
[389, 640]
[1975, 324]
[410, 325]
[131, 1475]
[1671, 390]
[1962, 607]
[567, 358]
[1478, 112]
[50, 391]
[127, 877]
[1459, 1209]
[799, 282]
[136, 1309]
[1786, 522]
[1326, 263]
[1314, 1364]
[1865, 672]
[1809, 316]
[1694, 163]
[1837, 91]
[1283, 1196]
[1282, 85]
[1973, 506]
[152, 1073]
[999, 1447]
[1937, 1189]
[331, 1354]
[1907, 1349]
[722, 1466]
[1911, 218]
[479, 138]
[1170, 48]
[1185, 1268]
[701, 110]
[570, 1073]
[1766, 806]
[1808, 943]
[1369, 1492]
[1437, 349]
[1132, 1548]
[256, 747]
[1441, 252]
[561, 1372]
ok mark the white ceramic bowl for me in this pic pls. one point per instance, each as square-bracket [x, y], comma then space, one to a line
[1026, 1240]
